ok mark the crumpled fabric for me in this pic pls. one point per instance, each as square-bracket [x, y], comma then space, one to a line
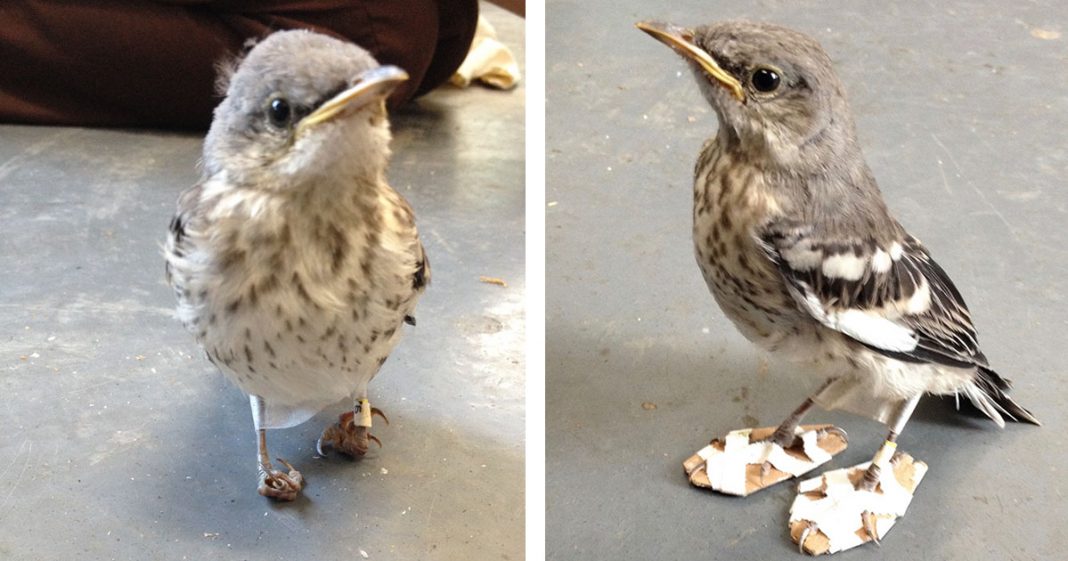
[488, 61]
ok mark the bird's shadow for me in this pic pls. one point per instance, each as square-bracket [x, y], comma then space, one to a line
[422, 109]
[424, 116]
[948, 411]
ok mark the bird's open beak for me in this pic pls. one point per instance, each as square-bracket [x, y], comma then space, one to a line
[374, 84]
[681, 39]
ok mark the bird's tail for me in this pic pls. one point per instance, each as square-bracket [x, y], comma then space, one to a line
[989, 393]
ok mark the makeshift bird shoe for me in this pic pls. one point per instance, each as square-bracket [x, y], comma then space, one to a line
[831, 514]
[746, 460]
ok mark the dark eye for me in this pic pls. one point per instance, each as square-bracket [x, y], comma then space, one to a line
[765, 80]
[279, 112]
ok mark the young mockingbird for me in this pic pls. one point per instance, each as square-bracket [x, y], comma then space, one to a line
[798, 248]
[293, 261]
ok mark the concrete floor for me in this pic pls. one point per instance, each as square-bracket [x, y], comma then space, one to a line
[962, 109]
[120, 440]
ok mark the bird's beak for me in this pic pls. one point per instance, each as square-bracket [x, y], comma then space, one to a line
[681, 39]
[374, 84]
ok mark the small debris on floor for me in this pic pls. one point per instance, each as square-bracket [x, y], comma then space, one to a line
[493, 280]
[364, 554]
[648, 405]
[1047, 34]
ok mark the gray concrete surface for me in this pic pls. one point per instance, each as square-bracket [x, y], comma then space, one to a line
[962, 109]
[118, 440]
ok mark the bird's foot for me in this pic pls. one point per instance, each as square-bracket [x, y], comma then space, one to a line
[748, 460]
[844, 508]
[349, 437]
[280, 485]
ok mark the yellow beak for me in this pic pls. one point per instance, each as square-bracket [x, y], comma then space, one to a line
[681, 39]
[372, 85]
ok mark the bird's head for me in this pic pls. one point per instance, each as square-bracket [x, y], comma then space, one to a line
[773, 88]
[301, 106]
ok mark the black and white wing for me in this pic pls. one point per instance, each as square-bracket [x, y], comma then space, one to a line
[185, 258]
[893, 298]
[178, 245]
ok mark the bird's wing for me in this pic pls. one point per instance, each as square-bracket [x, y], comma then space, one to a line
[184, 220]
[421, 277]
[895, 300]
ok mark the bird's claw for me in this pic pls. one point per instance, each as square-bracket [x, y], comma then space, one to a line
[377, 411]
[346, 437]
[810, 527]
[869, 521]
[840, 433]
[765, 469]
[279, 485]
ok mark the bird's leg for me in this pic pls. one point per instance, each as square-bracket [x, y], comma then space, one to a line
[882, 458]
[352, 433]
[275, 484]
[786, 434]
[874, 471]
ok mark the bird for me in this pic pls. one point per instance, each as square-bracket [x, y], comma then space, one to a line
[800, 250]
[294, 263]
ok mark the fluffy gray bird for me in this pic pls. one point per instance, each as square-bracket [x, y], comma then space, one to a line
[293, 261]
[799, 249]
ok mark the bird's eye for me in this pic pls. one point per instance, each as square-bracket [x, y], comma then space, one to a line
[279, 112]
[765, 80]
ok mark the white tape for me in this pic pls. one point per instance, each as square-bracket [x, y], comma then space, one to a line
[707, 452]
[737, 440]
[810, 485]
[726, 470]
[812, 448]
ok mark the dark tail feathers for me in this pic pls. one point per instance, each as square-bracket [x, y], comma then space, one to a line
[995, 387]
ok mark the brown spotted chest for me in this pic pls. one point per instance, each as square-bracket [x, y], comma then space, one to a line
[730, 206]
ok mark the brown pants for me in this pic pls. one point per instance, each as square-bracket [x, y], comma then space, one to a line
[151, 63]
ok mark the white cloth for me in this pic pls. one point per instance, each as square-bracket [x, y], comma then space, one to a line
[488, 61]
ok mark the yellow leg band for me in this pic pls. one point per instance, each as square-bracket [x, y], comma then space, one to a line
[882, 457]
[365, 413]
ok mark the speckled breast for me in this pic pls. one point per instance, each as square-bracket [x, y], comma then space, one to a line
[294, 348]
[730, 205]
[300, 320]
